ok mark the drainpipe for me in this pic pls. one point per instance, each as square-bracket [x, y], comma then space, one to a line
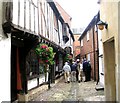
[58, 28]
[97, 55]
[94, 54]
[49, 77]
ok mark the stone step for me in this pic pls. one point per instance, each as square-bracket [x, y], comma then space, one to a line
[99, 87]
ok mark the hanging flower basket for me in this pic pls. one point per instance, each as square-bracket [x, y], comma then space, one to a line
[45, 53]
[68, 57]
[46, 56]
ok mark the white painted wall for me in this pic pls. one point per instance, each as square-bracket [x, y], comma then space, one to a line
[101, 71]
[5, 64]
[101, 66]
[5, 52]
[60, 32]
[29, 19]
[32, 83]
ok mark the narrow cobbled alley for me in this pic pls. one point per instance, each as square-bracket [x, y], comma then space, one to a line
[74, 91]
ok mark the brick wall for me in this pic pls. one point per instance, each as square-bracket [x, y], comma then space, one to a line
[90, 47]
[76, 46]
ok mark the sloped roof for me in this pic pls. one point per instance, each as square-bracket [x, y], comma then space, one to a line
[67, 18]
[90, 25]
[57, 13]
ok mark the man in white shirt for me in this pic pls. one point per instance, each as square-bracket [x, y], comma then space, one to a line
[67, 71]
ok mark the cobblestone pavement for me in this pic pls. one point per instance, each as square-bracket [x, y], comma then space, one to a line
[74, 91]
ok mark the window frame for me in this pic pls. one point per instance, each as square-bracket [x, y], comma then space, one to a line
[88, 57]
[81, 43]
[88, 35]
[32, 67]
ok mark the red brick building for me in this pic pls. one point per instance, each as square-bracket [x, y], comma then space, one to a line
[89, 46]
[76, 46]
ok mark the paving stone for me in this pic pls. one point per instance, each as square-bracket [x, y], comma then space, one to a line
[73, 91]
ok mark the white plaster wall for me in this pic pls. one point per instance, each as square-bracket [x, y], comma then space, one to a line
[5, 64]
[5, 52]
[42, 79]
[101, 71]
[112, 33]
[101, 67]
[32, 83]
[60, 33]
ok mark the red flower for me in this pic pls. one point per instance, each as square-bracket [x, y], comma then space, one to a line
[45, 53]
[70, 57]
[47, 49]
[43, 46]
[46, 61]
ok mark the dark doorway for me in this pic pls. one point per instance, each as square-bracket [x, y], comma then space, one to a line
[13, 74]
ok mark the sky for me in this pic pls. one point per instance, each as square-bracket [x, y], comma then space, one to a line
[81, 11]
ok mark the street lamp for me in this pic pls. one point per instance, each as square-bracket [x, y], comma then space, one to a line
[101, 25]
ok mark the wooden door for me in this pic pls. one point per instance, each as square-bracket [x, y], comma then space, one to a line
[13, 74]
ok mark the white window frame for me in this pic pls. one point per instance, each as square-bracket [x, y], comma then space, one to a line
[88, 36]
[81, 43]
[95, 28]
[88, 57]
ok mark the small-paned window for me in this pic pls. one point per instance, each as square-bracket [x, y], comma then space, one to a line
[77, 38]
[95, 28]
[32, 66]
[81, 43]
[88, 57]
[88, 36]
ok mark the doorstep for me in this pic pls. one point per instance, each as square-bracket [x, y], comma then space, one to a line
[99, 87]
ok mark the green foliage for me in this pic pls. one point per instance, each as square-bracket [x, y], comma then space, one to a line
[68, 57]
[45, 53]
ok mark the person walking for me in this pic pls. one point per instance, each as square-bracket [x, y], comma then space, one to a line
[85, 69]
[80, 70]
[89, 71]
[73, 72]
[67, 70]
[77, 72]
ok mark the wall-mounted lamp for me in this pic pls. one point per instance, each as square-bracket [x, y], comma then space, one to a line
[101, 25]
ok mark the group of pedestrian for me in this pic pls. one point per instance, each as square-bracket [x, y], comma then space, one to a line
[76, 70]
[87, 70]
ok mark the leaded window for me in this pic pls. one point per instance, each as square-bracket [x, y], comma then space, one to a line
[32, 65]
